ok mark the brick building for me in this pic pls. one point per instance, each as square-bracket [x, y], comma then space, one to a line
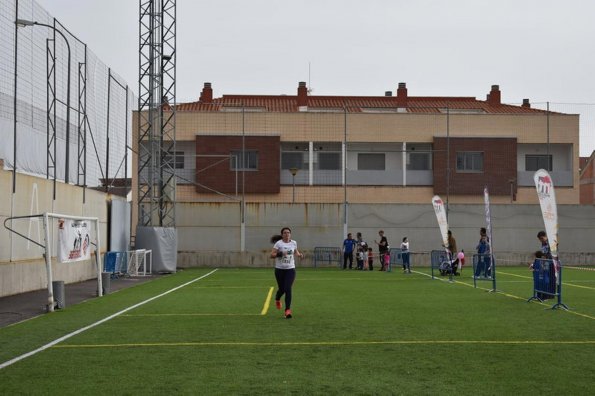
[377, 149]
[587, 180]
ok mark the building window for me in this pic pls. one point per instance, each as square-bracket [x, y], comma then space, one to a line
[292, 160]
[329, 161]
[537, 162]
[469, 161]
[419, 161]
[370, 161]
[176, 160]
[248, 161]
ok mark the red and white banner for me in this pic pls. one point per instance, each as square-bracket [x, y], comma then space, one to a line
[73, 240]
[549, 210]
[441, 217]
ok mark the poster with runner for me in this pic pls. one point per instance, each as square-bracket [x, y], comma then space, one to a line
[73, 240]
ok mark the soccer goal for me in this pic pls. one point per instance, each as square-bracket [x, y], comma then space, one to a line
[76, 235]
[140, 262]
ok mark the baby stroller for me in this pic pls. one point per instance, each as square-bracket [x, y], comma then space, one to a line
[445, 267]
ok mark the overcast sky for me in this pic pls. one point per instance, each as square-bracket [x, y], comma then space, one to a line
[535, 49]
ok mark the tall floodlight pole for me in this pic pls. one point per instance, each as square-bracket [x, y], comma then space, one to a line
[26, 23]
[157, 113]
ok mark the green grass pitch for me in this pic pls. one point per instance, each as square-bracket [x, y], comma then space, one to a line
[353, 332]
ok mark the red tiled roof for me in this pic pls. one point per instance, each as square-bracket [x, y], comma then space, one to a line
[355, 104]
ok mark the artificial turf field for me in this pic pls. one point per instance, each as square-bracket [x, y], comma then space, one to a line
[201, 331]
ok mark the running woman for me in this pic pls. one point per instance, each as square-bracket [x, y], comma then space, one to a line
[284, 250]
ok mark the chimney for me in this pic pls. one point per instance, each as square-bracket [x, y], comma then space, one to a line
[493, 97]
[388, 93]
[302, 96]
[402, 94]
[526, 103]
[206, 96]
[165, 103]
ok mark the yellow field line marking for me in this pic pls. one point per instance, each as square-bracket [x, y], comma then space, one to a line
[579, 268]
[513, 296]
[330, 343]
[564, 283]
[542, 303]
[579, 286]
[265, 308]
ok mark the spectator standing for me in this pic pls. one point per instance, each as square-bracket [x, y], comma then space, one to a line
[361, 242]
[548, 262]
[348, 248]
[405, 255]
[452, 247]
[370, 259]
[361, 257]
[382, 249]
[545, 244]
[483, 253]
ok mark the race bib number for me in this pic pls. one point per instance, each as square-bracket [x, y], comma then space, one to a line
[287, 257]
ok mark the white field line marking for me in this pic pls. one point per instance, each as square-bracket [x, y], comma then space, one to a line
[79, 331]
[331, 343]
[265, 308]
[188, 314]
[510, 295]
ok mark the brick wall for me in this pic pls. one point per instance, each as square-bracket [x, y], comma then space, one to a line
[587, 184]
[499, 166]
[220, 177]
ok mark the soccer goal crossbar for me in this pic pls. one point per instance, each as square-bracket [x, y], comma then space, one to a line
[46, 245]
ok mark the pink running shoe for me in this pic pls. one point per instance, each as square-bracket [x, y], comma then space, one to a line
[288, 314]
[278, 304]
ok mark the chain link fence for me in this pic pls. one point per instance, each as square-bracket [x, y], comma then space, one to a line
[73, 113]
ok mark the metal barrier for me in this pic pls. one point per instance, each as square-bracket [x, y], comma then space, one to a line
[547, 281]
[484, 269]
[396, 258]
[327, 255]
[115, 263]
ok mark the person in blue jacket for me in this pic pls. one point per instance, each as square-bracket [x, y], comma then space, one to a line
[348, 248]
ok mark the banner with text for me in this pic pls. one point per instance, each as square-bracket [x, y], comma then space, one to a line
[441, 218]
[73, 240]
[549, 210]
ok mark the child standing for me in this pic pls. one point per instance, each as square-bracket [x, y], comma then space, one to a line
[370, 259]
[386, 259]
[360, 258]
[405, 255]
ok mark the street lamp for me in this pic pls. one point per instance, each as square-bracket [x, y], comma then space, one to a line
[294, 172]
[25, 23]
[512, 197]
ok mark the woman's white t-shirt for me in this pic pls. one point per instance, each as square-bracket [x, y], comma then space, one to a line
[405, 247]
[287, 261]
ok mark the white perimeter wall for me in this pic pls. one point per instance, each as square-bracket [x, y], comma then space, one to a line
[22, 267]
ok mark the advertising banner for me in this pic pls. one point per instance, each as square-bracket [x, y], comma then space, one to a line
[441, 217]
[549, 210]
[486, 199]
